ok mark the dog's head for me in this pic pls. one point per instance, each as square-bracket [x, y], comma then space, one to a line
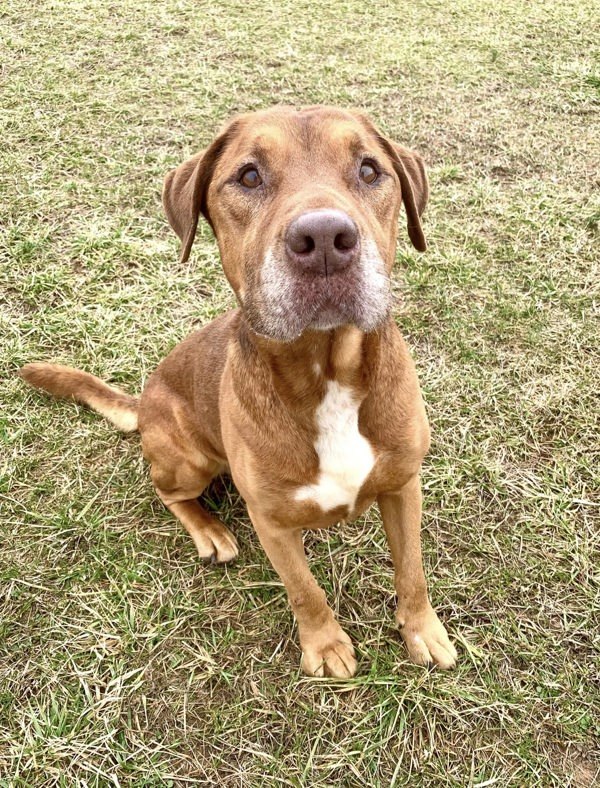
[304, 205]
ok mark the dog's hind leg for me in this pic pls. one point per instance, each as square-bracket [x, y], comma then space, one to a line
[213, 540]
[180, 473]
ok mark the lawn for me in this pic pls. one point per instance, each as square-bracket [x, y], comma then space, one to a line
[126, 662]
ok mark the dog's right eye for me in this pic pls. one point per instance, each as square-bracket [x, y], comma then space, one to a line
[250, 178]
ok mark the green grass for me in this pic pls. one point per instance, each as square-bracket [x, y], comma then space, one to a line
[123, 660]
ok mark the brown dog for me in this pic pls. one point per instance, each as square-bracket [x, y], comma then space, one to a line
[306, 394]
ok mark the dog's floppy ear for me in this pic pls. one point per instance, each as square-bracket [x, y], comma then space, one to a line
[185, 189]
[410, 169]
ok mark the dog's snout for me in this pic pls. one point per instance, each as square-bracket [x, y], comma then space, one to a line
[322, 241]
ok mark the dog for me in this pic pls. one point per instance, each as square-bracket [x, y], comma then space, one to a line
[306, 393]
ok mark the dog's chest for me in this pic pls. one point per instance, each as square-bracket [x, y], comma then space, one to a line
[345, 456]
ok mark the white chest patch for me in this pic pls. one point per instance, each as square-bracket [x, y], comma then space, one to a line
[345, 456]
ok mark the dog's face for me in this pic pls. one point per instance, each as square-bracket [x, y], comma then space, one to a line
[304, 205]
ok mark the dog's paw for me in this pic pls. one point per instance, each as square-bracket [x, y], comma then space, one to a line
[215, 543]
[328, 652]
[427, 640]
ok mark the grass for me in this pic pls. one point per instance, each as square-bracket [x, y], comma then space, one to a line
[123, 660]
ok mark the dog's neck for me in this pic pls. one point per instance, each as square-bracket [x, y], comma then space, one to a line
[300, 369]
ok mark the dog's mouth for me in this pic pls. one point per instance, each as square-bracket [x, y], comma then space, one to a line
[286, 302]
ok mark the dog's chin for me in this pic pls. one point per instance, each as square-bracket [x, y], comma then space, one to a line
[288, 321]
[331, 317]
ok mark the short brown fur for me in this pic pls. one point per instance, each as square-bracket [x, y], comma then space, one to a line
[230, 399]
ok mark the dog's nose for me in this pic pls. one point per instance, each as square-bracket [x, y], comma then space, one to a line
[322, 241]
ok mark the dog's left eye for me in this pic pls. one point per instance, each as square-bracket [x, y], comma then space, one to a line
[368, 172]
[250, 178]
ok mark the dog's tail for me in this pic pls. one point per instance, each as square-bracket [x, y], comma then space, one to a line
[116, 406]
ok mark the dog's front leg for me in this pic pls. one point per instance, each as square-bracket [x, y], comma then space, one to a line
[421, 629]
[326, 648]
